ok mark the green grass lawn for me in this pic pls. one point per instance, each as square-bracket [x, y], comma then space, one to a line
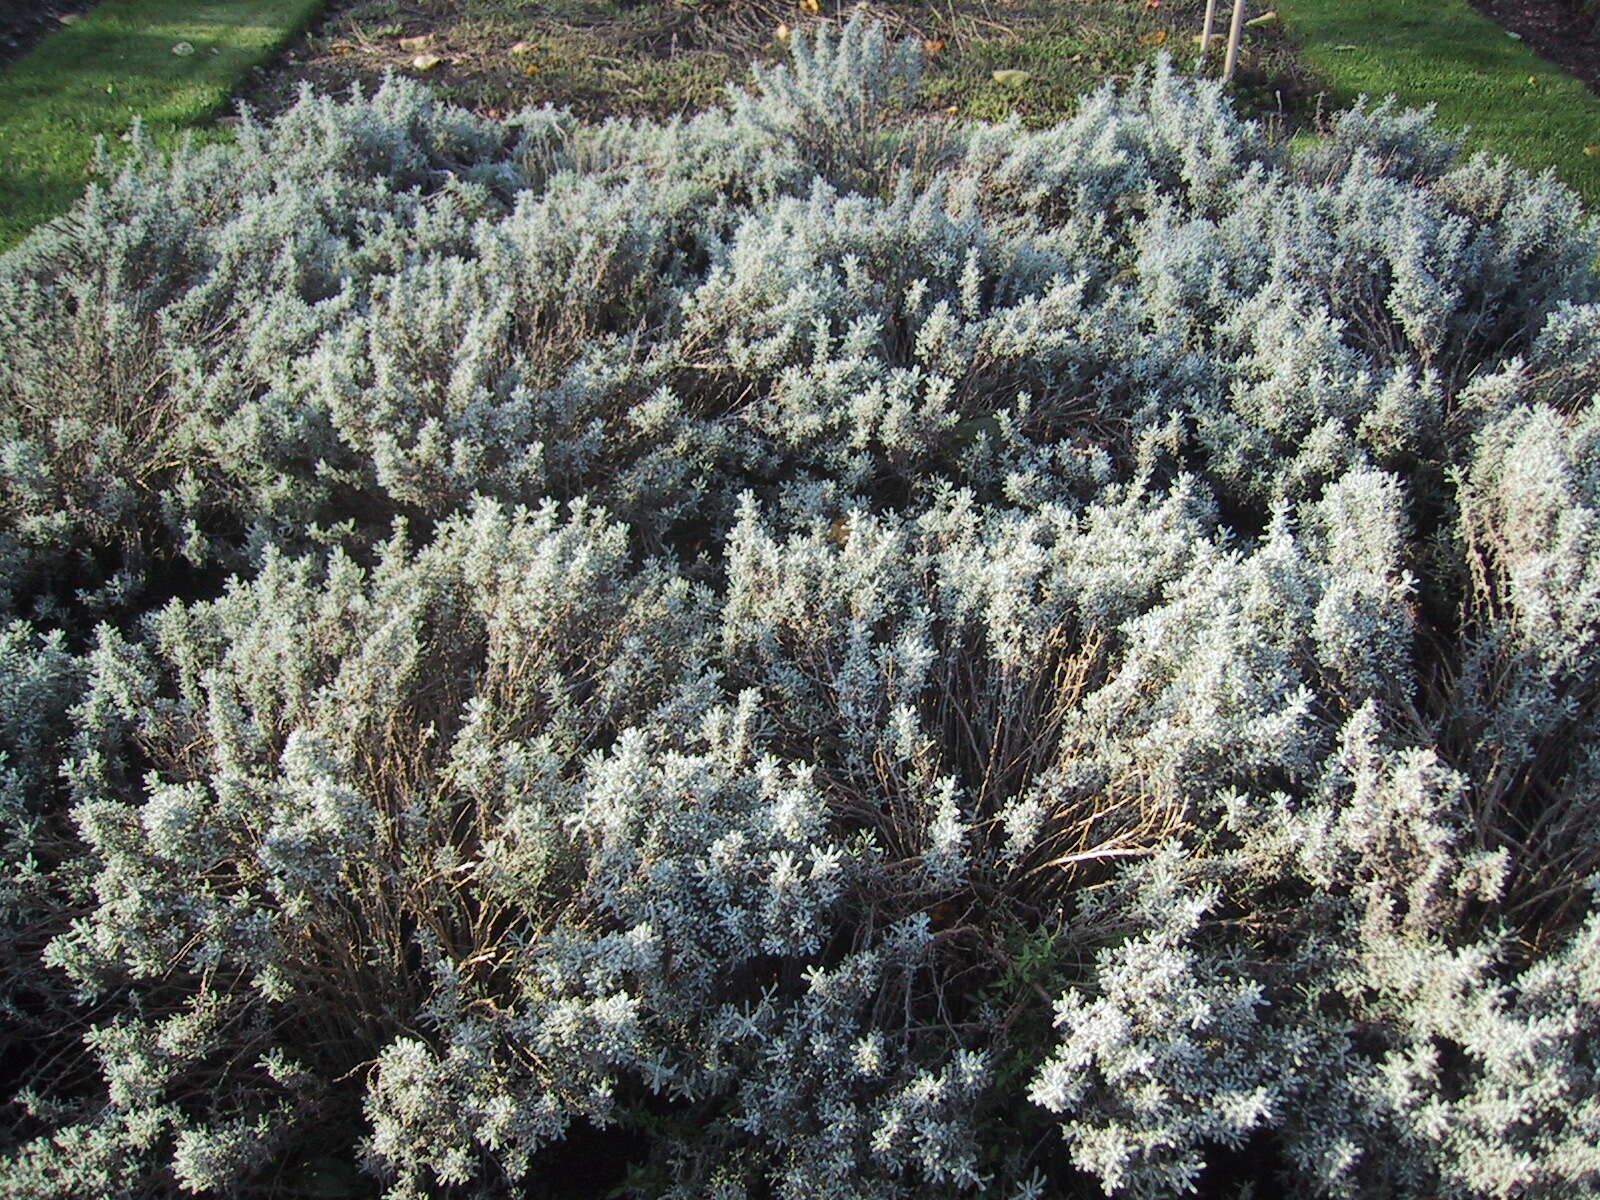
[1444, 51]
[91, 78]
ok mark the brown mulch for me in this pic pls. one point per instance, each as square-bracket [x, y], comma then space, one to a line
[24, 22]
[1555, 29]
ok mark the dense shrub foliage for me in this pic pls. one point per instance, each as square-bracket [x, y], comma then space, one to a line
[797, 653]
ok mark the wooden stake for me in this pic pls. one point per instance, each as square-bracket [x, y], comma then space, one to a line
[1233, 39]
[1205, 34]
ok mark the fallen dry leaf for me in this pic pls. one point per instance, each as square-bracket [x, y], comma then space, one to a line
[1266, 18]
[418, 43]
[426, 62]
[1592, 151]
[523, 48]
[811, 6]
[781, 33]
[1156, 37]
[932, 46]
[1011, 78]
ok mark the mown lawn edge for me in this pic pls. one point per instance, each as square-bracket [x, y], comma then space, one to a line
[1479, 77]
[172, 63]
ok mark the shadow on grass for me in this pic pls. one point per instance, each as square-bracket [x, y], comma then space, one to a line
[92, 81]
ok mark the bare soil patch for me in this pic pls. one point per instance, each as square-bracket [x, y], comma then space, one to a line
[659, 58]
[1560, 33]
[24, 22]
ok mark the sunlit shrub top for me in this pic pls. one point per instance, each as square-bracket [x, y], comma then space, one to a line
[802, 652]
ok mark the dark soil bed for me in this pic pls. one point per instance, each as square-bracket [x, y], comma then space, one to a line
[1557, 31]
[24, 22]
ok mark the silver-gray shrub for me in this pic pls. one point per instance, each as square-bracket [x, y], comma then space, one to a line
[799, 651]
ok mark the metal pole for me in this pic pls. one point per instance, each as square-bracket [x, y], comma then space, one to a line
[1205, 35]
[1233, 39]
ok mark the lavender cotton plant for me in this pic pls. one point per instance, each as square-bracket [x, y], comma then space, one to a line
[802, 652]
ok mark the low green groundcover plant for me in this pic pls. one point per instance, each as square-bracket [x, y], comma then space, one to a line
[796, 653]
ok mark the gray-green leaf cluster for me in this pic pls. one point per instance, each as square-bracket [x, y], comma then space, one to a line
[801, 652]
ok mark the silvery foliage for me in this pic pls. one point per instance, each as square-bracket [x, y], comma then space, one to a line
[530, 633]
[39, 681]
